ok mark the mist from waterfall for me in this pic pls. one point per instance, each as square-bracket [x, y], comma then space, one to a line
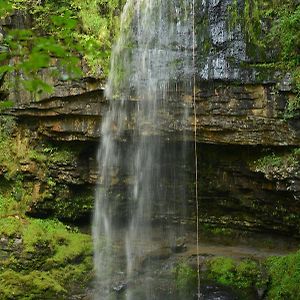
[151, 71]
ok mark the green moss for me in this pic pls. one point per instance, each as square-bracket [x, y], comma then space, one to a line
[66, 244]
[280, 274]
[73, 247]
[10, 226]
[62, 255]
[271, 29]
[242, 275]
[61, 156]
[292, 110]
[186, 278]
[279, 163]
[222, 269]
[14, 285]
[20, 156]
[284, 277]
[218, 231]
[79, 205]
[100, 24]
[250, 18]
[36, 156]
[7, 205]
[4, 105]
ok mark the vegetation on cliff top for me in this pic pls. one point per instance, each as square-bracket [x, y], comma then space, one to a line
[58, 36]
[272, 30]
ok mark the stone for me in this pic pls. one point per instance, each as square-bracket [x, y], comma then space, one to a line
[120, 287]
[286, 84]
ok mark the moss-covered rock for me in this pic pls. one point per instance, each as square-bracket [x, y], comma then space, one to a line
[284, 274]
[44, 178]
[244, 274]
[276, 277]
[42, 259]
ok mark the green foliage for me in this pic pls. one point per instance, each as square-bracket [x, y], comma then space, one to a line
[292, 110]
[61, 156]
[278, 163]
[269, 23]
[242, 275]
[293, 107]
[217, 231]
[100, 24]
[5, 105]
[284, 277]
[81, 204]
[9, 226]
[17, 150]
[7, 159]
[29, 51]
[186, 278]
[61, 33]
[19, 155]
[66, 244]
[62, 255]
[222, 269]
[35, 285]
[286, 30]
[272, 29]
[5, 8]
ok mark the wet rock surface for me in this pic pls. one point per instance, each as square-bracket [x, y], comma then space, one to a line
[233, 192]
[225, 114]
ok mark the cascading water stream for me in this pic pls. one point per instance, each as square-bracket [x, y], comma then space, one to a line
[151, 68]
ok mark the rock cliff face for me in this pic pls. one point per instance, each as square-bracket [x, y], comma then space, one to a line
[227, 113]
[243, 114]
[240, 99]
[65, 118]
[239, 105]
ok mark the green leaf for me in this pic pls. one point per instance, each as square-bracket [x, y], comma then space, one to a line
[35, 62]
[4, 69]
[5, 8]
[3, 56]
[6, 104]
[37, 86]
[65, 20]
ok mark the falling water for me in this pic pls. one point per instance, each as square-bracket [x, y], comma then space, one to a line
[151, 71]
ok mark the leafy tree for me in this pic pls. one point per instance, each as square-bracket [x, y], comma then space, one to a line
[61, 34]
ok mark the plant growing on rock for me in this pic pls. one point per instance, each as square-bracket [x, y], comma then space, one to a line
[186, 279]
[284, 277]
[59, 35]
[243, 275]
[62, 255]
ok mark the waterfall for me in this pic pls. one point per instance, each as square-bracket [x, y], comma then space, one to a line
[148, 87]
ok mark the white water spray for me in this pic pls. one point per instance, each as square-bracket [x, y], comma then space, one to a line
[151, 68]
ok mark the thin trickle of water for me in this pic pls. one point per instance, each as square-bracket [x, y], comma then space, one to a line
[151, 69]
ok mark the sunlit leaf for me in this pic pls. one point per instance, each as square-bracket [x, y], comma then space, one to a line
[37, 86]
[3, 55]
[5, 8]
[35, 62]
[4, 69]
